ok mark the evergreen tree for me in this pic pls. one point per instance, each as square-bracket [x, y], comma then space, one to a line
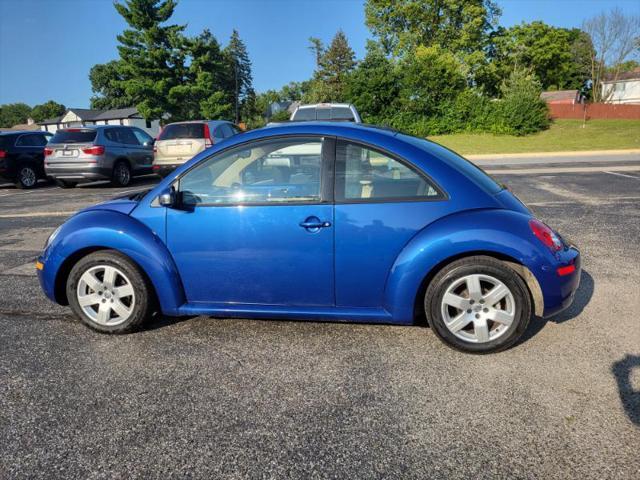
[13, 114]
[152, 56]
[202, 94]
[239, 66]
[334, 65]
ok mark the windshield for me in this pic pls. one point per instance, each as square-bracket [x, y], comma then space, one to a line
[74, 136]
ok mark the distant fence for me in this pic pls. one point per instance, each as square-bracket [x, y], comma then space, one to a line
[594, 111]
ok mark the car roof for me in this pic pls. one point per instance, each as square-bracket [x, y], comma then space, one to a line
[214, 122]
[22, 132]
[325, 105]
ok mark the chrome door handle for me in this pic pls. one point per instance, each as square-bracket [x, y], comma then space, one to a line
[314, 224]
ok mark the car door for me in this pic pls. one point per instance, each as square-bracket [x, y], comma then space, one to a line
[30, 148]
[146, 147]
[135, 152]
[254, 225]
[381, 203]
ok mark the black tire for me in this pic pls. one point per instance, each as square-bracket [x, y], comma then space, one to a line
[478, 265]
[27, 177]
[65, 183]
[144, 305]
[121, 176]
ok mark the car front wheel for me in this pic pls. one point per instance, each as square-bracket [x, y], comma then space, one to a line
[109, 293]
[478, 304]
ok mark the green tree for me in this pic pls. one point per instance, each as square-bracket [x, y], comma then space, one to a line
[432, 76]
[203, 95]
[458, 25]
[152, 56]
[13, 114]
[559, 57]
[108, 88]
[374, 86]
[335, 64]
[240, 79]
[46, 110]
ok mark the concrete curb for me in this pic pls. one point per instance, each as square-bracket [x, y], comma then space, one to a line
[584, 153]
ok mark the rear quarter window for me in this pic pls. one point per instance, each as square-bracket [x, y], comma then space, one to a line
[464, 166]
[74, 136]
[182, 130]
[6, 141]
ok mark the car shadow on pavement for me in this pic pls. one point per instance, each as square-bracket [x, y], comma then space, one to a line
[629, 397]
[580, 301]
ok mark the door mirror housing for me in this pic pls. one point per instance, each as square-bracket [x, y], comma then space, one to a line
[168, 198]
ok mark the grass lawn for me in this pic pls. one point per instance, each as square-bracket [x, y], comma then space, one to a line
[563, 135]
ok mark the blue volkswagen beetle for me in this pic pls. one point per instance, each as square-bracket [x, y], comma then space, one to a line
[317, 221]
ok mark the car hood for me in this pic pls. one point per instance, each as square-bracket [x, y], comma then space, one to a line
[121, 205]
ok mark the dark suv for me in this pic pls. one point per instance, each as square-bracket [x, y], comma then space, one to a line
[21, 157]
[88, 154]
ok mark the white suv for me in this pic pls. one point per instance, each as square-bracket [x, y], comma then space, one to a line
[345, 112]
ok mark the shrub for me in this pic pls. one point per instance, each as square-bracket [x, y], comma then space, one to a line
[521, 110]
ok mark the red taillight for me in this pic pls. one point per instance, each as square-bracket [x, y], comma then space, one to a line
[3, 153]
[569, 269]
[95, 150]
[155, 168]
[155, 149]
[545, 235]
[207, 136]
[48, 151]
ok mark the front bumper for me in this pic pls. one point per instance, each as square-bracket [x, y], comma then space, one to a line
[83, 172]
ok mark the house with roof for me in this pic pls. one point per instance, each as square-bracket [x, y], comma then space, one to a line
[622, 88]
[80, 117]
[562, 97]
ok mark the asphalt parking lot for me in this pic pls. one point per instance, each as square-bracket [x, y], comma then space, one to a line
[216, 398]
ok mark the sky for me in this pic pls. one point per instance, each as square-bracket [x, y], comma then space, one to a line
[48, 46]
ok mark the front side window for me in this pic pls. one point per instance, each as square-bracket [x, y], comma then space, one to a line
[272, 171]
[364, 174]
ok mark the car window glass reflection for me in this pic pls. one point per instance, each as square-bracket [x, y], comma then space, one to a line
[280, 171]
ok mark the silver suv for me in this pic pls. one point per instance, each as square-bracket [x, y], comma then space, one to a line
[91, 153]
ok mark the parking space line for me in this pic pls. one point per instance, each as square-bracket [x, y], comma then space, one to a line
[36, 214]
[621, 175]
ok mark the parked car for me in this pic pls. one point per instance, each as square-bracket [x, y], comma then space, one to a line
[318, 221]
[22, 157]
[98, 152]
[180, 141]
[345, 112]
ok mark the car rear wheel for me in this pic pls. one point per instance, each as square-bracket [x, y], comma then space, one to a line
[109, 293]
[121, 176]
[65, 183]
[478, 304]
[27, 177]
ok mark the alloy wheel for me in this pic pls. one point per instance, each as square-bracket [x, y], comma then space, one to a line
[122, 174]
[106, 295]
[478, 308]
[28, 177]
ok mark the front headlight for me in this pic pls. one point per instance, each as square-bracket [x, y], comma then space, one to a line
[52, 237]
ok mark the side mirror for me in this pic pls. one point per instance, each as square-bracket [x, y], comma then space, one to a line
[167, 198]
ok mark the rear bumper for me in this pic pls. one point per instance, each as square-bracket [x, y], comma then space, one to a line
[78, 173]
[163, 169]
